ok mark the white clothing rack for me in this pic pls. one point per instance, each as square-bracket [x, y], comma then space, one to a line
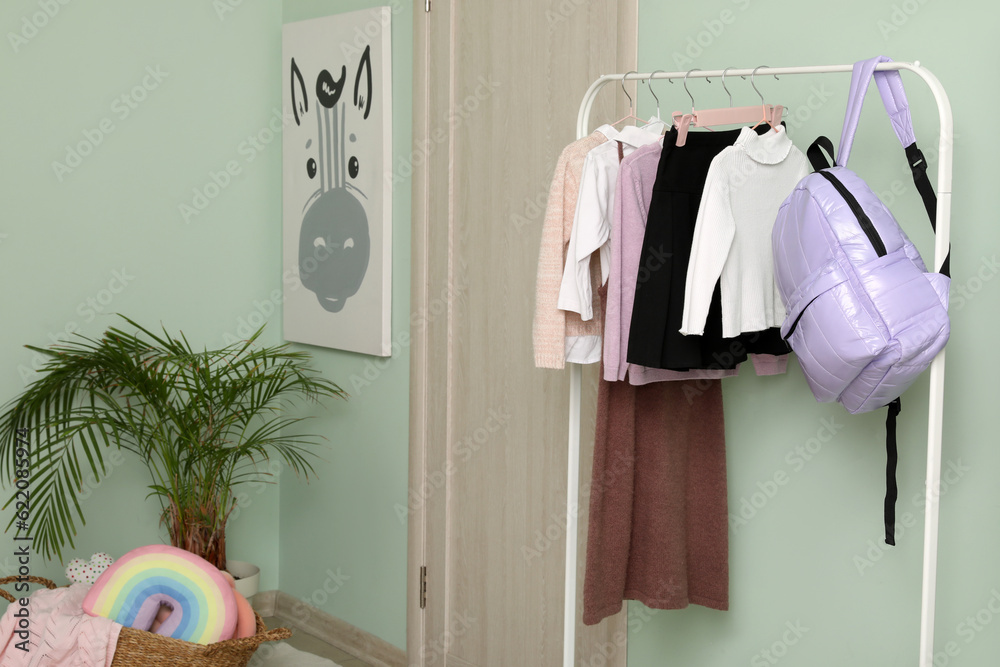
[936, 407]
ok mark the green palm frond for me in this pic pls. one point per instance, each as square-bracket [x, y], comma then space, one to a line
[199, 420]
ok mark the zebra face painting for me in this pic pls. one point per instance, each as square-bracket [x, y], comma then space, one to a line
[334, 242]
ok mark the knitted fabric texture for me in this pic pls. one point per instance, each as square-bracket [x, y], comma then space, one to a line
[658, 527]
[746, 185]
[551, 326]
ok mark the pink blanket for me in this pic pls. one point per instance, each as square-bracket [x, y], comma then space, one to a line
[60, 633]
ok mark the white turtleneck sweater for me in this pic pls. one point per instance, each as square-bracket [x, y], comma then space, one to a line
[746, 184]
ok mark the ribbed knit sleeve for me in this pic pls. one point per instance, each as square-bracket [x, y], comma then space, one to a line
[714, 231]
[625, 198]
[549, 326]
[732, 239]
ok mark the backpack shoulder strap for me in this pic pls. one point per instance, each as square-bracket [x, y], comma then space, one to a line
[918, 167]
[890, 87]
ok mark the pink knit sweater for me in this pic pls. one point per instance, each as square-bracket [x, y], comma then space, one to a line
[553, 326]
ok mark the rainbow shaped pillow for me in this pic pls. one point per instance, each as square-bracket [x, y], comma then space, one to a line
[130, 592]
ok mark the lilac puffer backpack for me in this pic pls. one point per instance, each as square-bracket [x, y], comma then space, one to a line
[865, 318]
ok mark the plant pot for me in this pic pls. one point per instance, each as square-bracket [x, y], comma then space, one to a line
[247, 576]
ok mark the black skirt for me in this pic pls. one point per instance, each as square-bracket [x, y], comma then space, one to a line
[655, 340]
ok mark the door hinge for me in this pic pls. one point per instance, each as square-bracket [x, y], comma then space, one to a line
[423, 586]
[427, 5]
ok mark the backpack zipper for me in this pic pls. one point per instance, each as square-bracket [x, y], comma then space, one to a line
[795, 324]
[859, 213]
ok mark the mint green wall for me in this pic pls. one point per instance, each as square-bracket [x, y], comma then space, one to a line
[63, 236]
[809, 556]
[342, 542]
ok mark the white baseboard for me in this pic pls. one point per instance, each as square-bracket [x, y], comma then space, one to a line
[332, 630]
[263, 602]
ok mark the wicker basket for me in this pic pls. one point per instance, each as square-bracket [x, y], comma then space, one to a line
[138, 648]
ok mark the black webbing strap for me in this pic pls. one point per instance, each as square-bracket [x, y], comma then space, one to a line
[918, 167]
[891, 490]
[815, 154]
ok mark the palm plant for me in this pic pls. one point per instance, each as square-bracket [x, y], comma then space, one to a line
[201, 422]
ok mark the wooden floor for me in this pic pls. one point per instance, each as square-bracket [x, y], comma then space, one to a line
[303, 641]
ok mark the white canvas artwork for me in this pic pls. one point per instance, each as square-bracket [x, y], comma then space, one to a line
[337, 203]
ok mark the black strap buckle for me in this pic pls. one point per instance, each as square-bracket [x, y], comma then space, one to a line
[918, 163]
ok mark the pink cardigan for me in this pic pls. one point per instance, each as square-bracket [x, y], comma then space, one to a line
[552, 326]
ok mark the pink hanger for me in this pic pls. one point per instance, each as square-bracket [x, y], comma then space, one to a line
[707, 118]
[631, 104]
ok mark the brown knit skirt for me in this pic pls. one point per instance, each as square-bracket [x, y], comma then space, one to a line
[658, 509]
